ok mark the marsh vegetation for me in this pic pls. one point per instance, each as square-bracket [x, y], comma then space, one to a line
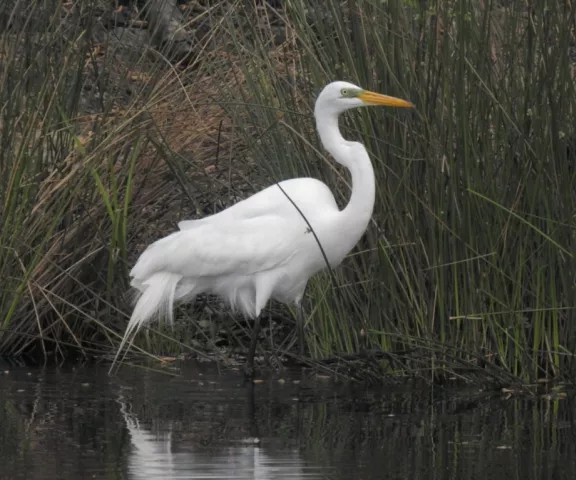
[467, 269]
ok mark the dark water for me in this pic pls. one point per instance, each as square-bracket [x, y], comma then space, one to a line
[81, 424]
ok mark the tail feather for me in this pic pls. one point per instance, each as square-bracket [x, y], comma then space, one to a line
[156, 300]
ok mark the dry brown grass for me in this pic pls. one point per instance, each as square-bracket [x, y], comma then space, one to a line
[68, 261]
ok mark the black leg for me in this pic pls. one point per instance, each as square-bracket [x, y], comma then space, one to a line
[300, 327]
[251, 411]
[249, 365]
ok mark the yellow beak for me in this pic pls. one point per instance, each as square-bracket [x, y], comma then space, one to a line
[372, 98]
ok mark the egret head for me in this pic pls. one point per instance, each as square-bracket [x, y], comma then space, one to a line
[337, 97]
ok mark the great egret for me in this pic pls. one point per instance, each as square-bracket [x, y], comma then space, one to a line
[264, 247]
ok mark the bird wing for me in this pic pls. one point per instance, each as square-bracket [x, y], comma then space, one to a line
[303, 191]
[243, 247]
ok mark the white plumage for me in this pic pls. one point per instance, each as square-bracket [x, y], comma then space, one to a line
[262, 247]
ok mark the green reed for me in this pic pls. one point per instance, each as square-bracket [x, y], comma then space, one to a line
[468, 262]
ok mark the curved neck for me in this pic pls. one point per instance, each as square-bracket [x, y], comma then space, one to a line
[352, 155]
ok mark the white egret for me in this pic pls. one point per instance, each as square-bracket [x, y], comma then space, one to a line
[264, 247]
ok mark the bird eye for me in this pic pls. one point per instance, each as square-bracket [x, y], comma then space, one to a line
[344, 92]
